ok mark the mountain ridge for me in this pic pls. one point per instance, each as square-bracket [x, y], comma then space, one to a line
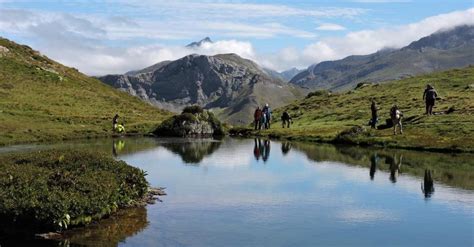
[441, 50]
[228, 84]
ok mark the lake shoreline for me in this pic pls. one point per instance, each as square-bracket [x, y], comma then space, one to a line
[239, 132]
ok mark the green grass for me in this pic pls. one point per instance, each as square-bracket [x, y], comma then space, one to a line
[42, 100]
[51, 190]
[323, 116]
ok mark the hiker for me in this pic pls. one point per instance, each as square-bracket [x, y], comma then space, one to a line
[429, 96]
[427, 187]
[263, 121]
[257, 118]
[115, 122]
[396, 116]
[285, 119]
[374, 119]
[268, 115]
[120, 128]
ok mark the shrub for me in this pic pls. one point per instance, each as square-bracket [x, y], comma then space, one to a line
[194, 109]
[51, 190]
[318, 93]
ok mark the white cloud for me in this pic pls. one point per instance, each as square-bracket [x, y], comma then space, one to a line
[368, 41]
[330, 27]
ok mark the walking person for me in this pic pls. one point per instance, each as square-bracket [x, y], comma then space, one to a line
[285, 119]
[429, 96]
[257, 118]
[268, 115]
[396, 116]
[374, 119]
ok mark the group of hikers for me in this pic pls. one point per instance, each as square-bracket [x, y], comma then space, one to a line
[263, 118]
[429, 96]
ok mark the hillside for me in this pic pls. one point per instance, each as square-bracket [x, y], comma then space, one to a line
[285, 76]
[322, 116]
[42, 100]
[439, 51]
[230, 86]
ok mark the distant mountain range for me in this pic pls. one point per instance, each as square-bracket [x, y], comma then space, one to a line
[229, 85]
[440, 51]
[286, 75]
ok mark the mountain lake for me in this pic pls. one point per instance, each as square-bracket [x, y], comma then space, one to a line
[259, 192]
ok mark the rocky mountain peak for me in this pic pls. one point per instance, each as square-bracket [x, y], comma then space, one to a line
[199, 43]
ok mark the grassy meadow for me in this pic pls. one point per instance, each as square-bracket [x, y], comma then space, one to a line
[323, 116]
[42, 100]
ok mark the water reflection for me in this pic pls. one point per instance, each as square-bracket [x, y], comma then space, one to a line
[111, 231]
[395, 165]
[373, 165]
[427, 187]
[455, 170]
[117, 146]
[192, 151]
[285, 147]
[261, 149]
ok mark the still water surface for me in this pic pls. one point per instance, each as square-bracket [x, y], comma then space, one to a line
[246, 192]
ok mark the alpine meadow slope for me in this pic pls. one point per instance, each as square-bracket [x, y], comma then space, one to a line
[42, 100]
[343, 116]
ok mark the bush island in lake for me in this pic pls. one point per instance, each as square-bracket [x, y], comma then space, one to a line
[52, 190]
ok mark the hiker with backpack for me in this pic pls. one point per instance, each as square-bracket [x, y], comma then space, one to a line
[267, 112]
[285, 119]
[429, 96]
[396, 116]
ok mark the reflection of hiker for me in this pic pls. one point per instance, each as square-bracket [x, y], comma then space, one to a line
[396, 116]
[285, 147]
[285, 119]
[429, 96]
[117, 146]
[115, 122]
[427, 187]
[267, 112]
[373, 165]
[374, 119]
[395, 168]
[257, 118]
[266, 150]
[256, 149]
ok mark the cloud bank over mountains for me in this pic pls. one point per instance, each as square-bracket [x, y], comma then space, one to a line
[115, 42]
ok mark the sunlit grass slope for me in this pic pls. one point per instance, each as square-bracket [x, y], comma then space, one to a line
[323, 116]
[42, 100]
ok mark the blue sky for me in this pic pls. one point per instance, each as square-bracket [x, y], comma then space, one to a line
[100, 37]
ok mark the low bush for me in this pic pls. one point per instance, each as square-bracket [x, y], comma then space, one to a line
[194, 109]
[52, 190]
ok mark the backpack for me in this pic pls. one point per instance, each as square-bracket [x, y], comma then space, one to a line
[431, 94]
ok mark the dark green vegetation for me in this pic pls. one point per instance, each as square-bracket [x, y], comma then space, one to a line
[323, 116]
[42, 100]
[193, 121]
[227, 84]
[455, 170]
[52, 190]
[440, 51]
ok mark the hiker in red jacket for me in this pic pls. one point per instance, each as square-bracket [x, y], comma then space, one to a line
[257, 116]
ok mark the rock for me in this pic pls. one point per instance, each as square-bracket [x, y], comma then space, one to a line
[191, 123]
[48, 235]
[3, 50]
